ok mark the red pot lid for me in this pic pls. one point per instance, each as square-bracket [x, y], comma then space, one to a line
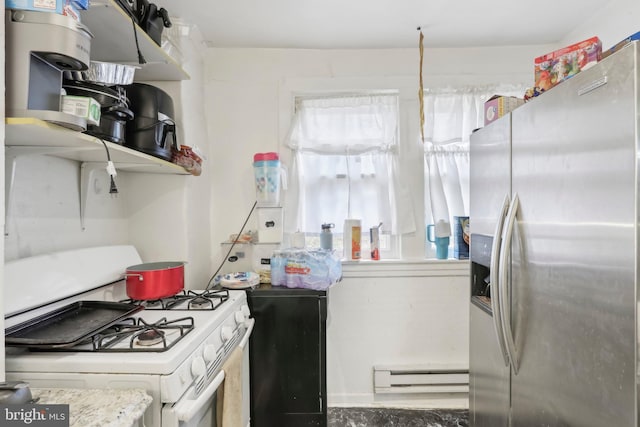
[261, 157]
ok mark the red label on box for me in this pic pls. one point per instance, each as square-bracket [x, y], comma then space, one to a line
[559, 65]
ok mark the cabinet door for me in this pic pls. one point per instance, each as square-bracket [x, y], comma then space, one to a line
[287, 361]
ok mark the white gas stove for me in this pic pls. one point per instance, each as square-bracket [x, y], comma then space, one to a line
[174, 348]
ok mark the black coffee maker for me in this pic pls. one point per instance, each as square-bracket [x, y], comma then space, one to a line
[153, 129]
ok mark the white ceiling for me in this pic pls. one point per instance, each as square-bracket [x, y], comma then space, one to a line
[362, 24]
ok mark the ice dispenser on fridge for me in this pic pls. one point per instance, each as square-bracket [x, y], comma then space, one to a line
[481, 270]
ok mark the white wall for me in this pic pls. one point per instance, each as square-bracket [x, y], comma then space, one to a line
[45, 208]
[616, 20]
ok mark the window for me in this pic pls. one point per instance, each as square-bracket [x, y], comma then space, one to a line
[344, 166]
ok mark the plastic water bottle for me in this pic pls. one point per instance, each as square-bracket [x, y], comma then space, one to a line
[326, 237]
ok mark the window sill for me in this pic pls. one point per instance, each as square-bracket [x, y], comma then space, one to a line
[405, 268]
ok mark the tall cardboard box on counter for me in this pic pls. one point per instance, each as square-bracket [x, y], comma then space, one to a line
[497, 106]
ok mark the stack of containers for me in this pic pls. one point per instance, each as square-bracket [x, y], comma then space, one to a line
[269, 179]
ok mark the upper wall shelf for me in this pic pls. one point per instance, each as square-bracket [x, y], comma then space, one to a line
[29, 136]
[43, 137]
[113, 41]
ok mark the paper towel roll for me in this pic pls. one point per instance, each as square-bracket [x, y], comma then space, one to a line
[298, 240]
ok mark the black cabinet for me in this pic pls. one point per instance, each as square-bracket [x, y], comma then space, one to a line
[287, 357]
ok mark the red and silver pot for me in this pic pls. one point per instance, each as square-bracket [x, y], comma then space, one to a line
[154, 280]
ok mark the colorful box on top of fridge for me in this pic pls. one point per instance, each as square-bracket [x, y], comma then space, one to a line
[559, 65]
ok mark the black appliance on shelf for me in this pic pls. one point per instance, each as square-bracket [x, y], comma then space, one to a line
[287, 357]
[152, 19]
[153, 129]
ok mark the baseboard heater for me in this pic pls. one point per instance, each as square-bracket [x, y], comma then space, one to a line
[421, 379]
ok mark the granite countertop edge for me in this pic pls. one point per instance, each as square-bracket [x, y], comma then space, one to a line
[98, 407]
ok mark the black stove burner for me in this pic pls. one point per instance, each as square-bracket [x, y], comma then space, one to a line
[186, 300]
[200, 303]
[149, 304]
[150, 337]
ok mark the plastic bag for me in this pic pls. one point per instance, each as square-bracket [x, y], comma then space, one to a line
[188, 159]
[305, 268]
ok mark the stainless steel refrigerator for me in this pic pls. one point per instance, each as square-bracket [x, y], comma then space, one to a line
[554, 255]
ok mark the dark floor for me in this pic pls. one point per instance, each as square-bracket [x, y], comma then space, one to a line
[388, 417]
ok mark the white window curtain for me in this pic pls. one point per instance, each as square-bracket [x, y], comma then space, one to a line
[344, 164]
[450, 117]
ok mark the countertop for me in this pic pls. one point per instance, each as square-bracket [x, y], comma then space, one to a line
[98, 407]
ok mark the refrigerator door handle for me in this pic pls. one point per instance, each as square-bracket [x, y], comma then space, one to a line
[494, 279]
[505, 251]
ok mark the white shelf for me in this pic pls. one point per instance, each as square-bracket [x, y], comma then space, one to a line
[113, 41]
[26, 136]
[45, 138]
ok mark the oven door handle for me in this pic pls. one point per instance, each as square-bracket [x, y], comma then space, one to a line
[250, 323]
[185, 410]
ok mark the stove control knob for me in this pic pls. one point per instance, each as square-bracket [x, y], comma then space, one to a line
[240, 317]
[198, 367]
[209, 353]
[226, 333]
[245, 310]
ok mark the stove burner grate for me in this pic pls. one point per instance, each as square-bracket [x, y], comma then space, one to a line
[142, 336]
[186, 300]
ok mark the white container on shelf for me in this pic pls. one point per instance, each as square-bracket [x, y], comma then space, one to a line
[270, 225]
[261, 259]
[239, 259]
